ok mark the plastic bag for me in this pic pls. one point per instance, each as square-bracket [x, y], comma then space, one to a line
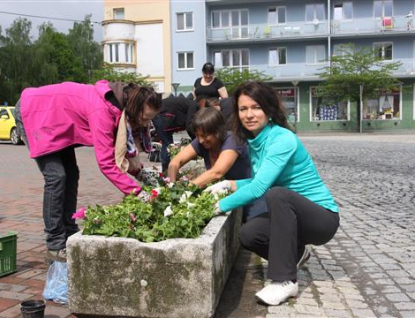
[56, 287]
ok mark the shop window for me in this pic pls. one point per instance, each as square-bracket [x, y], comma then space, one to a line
[386, 105]
[288, 97]
[325, 109]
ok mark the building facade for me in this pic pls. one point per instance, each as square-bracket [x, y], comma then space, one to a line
[291, 41]
[137, 39]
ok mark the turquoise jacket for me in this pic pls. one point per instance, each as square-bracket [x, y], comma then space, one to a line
[278, 158]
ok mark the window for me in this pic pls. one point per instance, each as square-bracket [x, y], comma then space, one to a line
[386, 105]
[226, 19]
[185, 21]
[383, 50]
[185, 60]
[325, 108]
[120, 52]
[343, 11]
[315, 54]
[238, 58]
[383, 8]
[314, 12]
[118, 13]
[289, 98]
[342, 50]
[276, 15]
[277, 56]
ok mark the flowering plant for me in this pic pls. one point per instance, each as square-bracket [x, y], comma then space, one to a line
[173, 212]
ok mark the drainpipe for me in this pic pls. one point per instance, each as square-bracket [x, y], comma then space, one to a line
[329, 30]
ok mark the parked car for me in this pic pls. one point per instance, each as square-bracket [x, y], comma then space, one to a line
[8, 129]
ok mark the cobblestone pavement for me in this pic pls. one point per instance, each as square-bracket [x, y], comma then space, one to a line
[367, 270]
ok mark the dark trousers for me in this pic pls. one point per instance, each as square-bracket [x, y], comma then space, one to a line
[61, 174]
[292, 222]
[166, 138]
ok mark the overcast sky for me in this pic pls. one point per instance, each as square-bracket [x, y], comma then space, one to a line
[61, 9]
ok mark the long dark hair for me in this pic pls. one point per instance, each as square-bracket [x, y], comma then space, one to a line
[267, 98]
[135, 97]
[210, 121]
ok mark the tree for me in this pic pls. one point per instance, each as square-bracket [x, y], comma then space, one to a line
[87, 51]
[357, 73]
[108, 72]
[232, 77]
[16, 60]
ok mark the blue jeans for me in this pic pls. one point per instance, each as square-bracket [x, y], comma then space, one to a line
[166, 138]
[61, 174]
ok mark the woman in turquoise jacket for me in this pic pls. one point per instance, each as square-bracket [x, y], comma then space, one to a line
[290, 205]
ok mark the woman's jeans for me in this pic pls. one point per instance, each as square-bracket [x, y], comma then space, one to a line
[280, 235]
[61, 174]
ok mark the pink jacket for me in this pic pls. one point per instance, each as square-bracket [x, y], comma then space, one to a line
[61, 115]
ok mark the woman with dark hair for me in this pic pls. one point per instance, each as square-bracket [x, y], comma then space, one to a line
[55, 119]
[208, 85]
[298, 209]
[222, 156]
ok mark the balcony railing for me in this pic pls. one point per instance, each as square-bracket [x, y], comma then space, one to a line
[373, 25]
[265, 31]
[309, 72]
[316, 28]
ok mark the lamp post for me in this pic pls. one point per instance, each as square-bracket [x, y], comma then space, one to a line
[175, 86]
[295, 83]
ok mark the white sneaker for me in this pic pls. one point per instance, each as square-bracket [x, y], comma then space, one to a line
[275, 293]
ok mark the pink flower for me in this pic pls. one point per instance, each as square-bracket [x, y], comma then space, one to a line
[155, 193]
[80, 214]
[133, 218]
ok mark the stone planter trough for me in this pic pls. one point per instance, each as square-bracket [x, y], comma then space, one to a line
[181, 278]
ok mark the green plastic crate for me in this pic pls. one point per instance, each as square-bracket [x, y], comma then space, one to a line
[8, 244]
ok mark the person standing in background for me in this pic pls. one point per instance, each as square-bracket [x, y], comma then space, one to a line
[208, 85]
[176, 114]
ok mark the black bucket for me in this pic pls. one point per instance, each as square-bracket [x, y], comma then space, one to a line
[33, 309]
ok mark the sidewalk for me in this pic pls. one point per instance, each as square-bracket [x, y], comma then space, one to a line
[20, 211]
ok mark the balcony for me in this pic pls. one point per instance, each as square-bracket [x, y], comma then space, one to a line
[289, 72]
[402, 24]
[310, 72]
[265, 32]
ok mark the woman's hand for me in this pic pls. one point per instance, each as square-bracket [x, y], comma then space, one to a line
[222, 187]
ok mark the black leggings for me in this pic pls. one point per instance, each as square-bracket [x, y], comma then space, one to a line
[292, 222]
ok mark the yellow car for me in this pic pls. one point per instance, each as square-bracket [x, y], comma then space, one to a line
[8, 129]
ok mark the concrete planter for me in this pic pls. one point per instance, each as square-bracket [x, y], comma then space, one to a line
[173, 278]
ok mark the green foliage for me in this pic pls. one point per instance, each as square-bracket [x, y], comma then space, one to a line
[356, 67]
[108, 72]
[232, 77]
[54, 57]
[146, 221]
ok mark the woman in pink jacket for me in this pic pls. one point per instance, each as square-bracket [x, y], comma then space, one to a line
[55, 119]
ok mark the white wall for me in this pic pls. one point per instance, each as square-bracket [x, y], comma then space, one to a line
[150, 51]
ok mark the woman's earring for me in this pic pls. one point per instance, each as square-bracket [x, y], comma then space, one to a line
[270, 119]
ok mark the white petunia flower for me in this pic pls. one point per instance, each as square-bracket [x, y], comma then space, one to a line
[168, 211]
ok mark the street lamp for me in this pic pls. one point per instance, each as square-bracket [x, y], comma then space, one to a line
[295, 83]
[175, 86]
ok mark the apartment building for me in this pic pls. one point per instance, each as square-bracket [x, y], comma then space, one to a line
[137, 39]
[291, 41]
